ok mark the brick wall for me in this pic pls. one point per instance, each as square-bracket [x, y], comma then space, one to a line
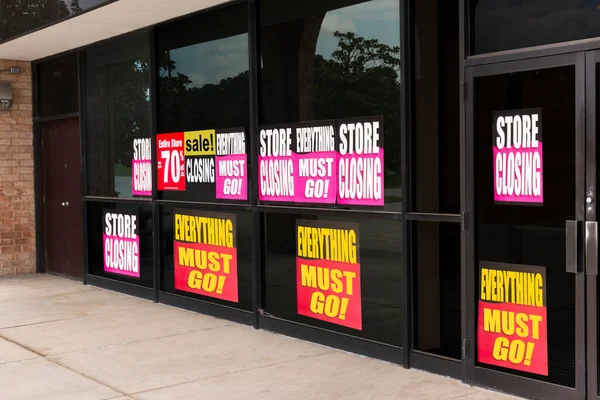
[17, 219]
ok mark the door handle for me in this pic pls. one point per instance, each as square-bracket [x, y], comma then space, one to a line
[571, 247]
[591, 248]
[65, 204]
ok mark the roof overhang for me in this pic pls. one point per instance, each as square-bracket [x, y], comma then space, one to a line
[102, 23]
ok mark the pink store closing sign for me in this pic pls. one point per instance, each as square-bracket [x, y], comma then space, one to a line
[518, 161]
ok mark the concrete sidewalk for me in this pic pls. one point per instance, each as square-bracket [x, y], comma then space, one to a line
[62, 340]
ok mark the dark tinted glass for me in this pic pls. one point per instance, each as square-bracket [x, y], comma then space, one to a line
[436, 142]
[437, 288]
[334, 59]
[96, 249]
[21, 16]
[533, 235]
[203, 77]
[380, 275]
[512, 24]
[117, 112]
[59, 86]
[243, 240]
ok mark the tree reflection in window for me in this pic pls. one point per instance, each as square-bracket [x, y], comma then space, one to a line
[117, 111]
[21, 16]
[364, 75]
[191, 105]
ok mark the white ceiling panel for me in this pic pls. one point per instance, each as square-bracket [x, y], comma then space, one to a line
[105, 22]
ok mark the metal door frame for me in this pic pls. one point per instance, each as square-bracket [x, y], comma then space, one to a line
[479, 375]
[592, 59]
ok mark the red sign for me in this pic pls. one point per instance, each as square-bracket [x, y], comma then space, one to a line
[171, 161]
[205, 254]
[328, 272]
[512, 321]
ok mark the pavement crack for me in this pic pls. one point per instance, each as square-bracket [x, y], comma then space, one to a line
[35, 323]
[54, 296]
[108, 346]
[63, 366]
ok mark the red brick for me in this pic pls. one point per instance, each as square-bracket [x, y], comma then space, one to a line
[7, 120]
[22, 156]
[10, 235]
[23, 256]
[20, 142]
[21, 85]
[6, 228]
[7, 257]
[21, 113]
[23, 128]
[17, 216]
[24, 242]
[22, 185]
[9, 178]
[10, 249]
[9, 163]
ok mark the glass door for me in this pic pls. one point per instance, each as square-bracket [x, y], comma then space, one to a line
[525, 163]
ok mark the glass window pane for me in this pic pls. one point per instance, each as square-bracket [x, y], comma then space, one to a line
[117, 113]
[195, 283]
[437, 288]
[59, 86]
[203, 79]
[436, 142]
[21, 16]
[511, 24]
[334, 59]
[97, 245]
[379, 273]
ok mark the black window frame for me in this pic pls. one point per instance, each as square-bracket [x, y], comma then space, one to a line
[258, 317]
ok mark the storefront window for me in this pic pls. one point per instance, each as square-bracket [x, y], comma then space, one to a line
[214, 266]
[332, 60]
[203, 85]
[120, 242]
[357, 293]
[118, 117]
[509, 24]
[327, 67]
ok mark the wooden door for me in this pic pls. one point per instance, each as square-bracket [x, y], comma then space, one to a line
[62, 197]
[54, 213]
